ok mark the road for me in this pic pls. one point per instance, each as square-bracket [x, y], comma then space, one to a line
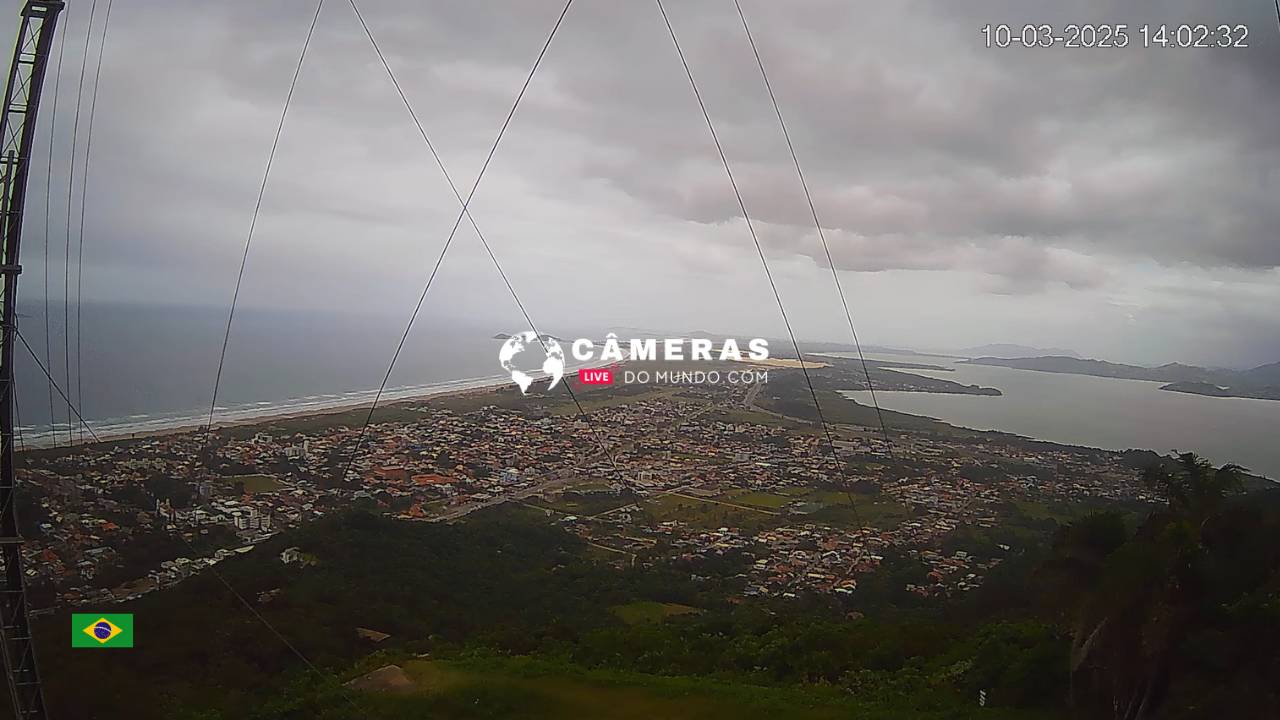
[522, 494]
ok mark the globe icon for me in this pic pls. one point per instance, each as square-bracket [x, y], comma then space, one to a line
[102, 630]
[529, 341]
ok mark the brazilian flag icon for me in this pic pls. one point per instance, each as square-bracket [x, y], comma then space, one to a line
[90, 630]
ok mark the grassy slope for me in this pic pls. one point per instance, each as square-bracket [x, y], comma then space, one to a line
[491, 687]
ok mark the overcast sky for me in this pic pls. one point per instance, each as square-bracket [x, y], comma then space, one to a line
[1124, 203]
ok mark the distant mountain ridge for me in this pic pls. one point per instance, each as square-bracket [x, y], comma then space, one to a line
[1010, 350]
[1262, 382]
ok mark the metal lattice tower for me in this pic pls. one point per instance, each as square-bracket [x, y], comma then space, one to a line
[17, 129]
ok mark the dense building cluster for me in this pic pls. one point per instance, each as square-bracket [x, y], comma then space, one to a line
[688, 473]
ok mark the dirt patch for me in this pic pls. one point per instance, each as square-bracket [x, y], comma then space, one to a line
[388, 678]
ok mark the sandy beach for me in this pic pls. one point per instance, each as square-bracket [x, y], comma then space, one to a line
[269, 414]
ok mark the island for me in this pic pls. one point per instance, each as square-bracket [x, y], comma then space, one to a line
[1269, 392]
[1262, 382]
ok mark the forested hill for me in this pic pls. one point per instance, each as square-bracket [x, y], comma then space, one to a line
[1261, 382]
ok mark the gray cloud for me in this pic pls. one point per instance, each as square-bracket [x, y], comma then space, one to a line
[913, 133]
[1065, 177]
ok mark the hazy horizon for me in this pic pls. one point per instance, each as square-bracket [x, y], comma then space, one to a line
[33, 327]
[1129, 214]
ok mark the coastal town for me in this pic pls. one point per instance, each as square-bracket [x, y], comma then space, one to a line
[672, 473]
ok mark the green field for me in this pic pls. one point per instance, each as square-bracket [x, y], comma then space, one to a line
[584, 503]
[709, 515]
[648, 611]
[792, 492]
[768, 501]
[257, 483]
[879, 511]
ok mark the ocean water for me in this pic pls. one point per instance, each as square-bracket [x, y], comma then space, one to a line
[1098, 412]
[148, 367]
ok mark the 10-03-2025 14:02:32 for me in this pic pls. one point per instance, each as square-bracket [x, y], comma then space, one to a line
[1115, 35]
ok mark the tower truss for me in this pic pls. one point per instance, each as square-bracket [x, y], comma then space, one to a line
[17, 130]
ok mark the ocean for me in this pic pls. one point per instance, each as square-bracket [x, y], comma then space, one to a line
[146, 368]
[149, 367]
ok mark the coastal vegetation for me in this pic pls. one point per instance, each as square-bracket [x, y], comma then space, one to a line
[1171, 613]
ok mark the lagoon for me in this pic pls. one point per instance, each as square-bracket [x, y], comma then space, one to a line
[1097, 412]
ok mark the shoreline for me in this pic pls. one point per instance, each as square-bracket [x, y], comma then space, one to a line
[135, 428]
[116, 431]
[268, 413]
[273, 413]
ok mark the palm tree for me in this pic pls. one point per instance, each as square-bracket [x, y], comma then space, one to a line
[1131, 601]
[1193, 487]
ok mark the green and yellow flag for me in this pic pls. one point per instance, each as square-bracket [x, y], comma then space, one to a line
[112, 630]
